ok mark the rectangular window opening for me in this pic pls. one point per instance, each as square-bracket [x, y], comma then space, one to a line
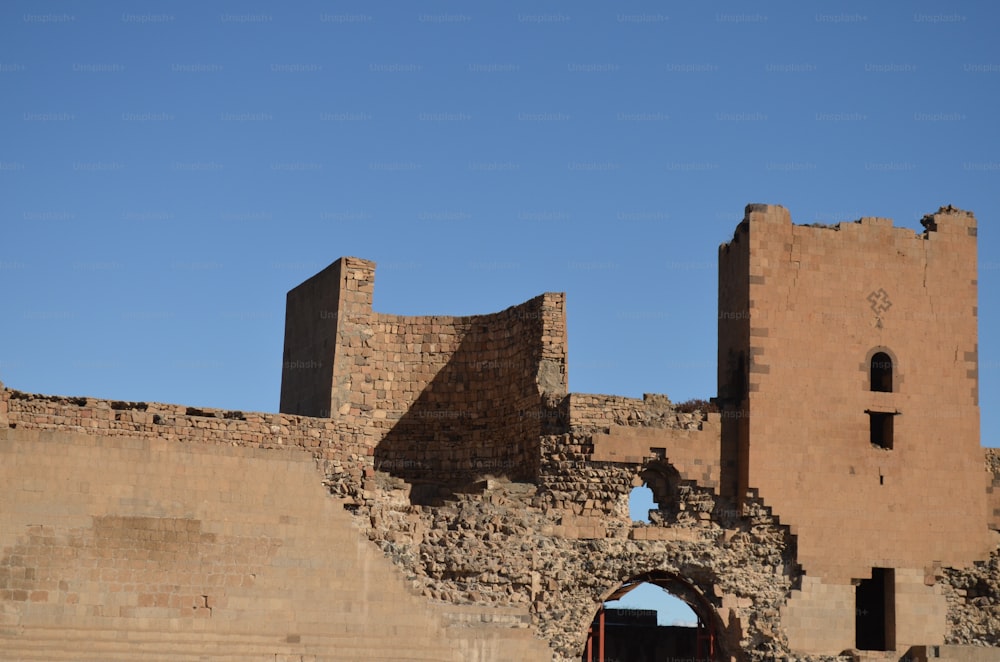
[881, 424]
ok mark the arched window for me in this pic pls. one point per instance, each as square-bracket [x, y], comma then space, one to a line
[881, 372]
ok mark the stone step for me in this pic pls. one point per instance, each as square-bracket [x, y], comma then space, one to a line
[301, 635]
[108, 645]
[343, 653]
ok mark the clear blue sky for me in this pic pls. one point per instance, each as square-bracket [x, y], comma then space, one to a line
[168, 170]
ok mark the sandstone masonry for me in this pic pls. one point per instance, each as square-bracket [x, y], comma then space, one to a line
[832, 501]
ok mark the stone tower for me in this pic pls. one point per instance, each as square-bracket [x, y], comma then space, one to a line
[322, 333]
[848, 380]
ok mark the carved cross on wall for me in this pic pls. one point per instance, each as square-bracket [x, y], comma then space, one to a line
[880, 303]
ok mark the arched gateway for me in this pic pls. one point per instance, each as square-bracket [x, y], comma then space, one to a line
[631, 635]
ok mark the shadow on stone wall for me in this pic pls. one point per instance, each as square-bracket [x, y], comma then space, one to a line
[477, 417]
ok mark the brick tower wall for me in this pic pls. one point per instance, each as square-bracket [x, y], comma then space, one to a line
[822, 301]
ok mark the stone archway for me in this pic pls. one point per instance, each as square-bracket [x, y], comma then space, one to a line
[638, 644]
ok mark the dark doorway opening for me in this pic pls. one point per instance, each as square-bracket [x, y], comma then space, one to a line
[875, 611]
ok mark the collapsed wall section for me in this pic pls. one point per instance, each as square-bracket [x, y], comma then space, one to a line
[992, 456]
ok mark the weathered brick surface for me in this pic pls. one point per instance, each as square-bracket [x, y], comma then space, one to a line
[586, 411]
[343, 448]
[466, 393]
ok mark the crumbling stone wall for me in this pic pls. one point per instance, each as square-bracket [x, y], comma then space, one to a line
[973, 592]
[993, 488]
[593, 411]
[561, 546]
[557, 547]
[502, 543]
[973, 595]
[453, 442]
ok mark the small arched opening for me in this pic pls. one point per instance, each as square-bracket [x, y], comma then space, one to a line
[631, 626]
[655, 496]
[881, 372]
[640, 502]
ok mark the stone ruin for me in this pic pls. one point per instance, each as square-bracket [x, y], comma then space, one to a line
[833, 499]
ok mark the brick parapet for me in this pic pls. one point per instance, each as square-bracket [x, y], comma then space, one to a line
[947, 220]
[588, 411]
[344, 450]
